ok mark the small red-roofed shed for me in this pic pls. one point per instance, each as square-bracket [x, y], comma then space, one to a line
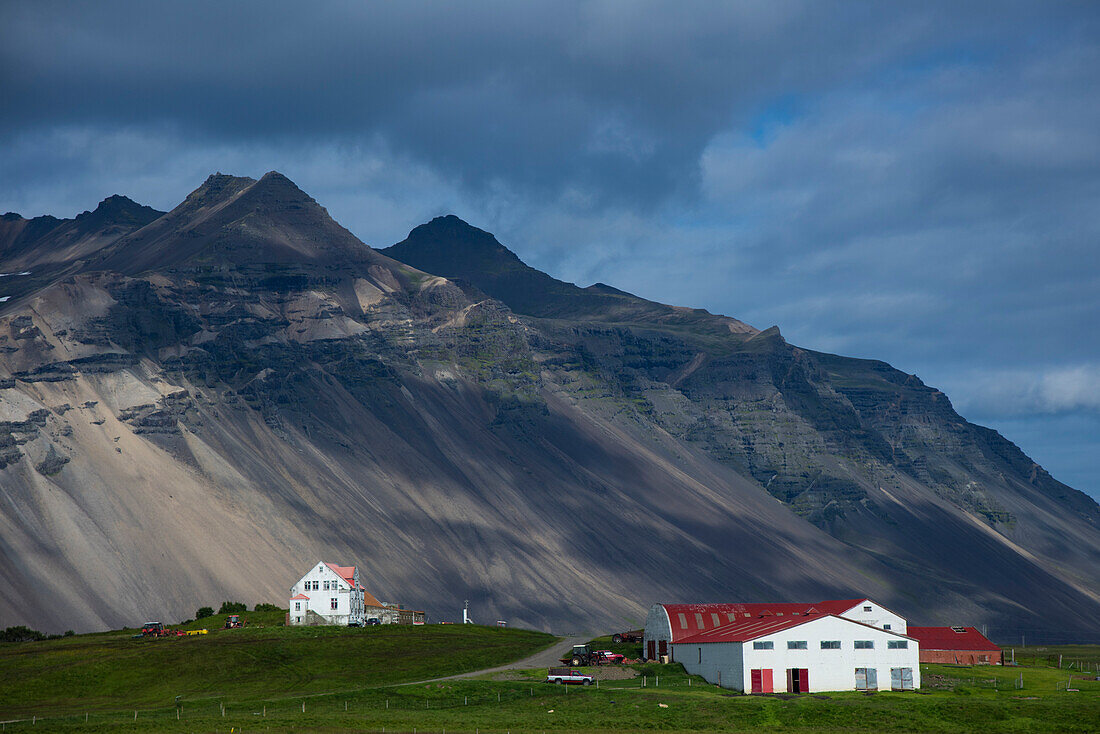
[955, 646]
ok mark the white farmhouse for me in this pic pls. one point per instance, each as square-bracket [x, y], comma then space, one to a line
[328, 594]
[852, 644]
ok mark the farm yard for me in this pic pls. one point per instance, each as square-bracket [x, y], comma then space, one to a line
[271, 678]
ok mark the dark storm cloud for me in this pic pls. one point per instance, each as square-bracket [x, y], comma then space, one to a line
[911, 182]
[617, 97]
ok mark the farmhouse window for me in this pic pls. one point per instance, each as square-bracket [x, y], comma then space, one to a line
[796, 644]
[865, 644]
[335, 602]
[897, 644]
[768, 645]
[297, 606]
[325, 586]
[830, 644]
[866, 609]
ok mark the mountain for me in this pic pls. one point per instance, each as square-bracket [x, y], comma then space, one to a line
[47, 247]
[198, 407]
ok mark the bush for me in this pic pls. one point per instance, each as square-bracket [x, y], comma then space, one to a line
[233, 607]
[21, 634]
[204, 612]
[264, 607]
[69, 633]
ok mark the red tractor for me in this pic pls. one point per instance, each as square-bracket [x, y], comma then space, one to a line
[155, 629]
[233, 621]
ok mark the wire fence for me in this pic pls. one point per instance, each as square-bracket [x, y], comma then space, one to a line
[445, 695]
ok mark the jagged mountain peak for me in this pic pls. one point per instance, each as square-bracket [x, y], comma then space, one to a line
[119, 209]
[451, 237]
[452, 248]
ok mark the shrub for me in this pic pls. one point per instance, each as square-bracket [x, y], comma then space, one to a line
[265, 607]
[69, 633]
[233, 607]
[204, 612]
[21, 634]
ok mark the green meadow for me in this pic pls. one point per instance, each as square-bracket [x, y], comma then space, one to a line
[266, 677]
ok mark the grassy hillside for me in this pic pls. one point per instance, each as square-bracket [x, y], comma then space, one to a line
[661, 697]
[113, 670]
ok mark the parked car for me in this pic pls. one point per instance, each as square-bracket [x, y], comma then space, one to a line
[373, 621]
[355, 623]
[561, 676]
[606, 657]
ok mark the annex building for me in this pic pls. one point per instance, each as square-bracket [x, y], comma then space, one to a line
[955, 646]
[852, 644]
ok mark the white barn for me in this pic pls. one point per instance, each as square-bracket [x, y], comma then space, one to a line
[852, 644]
[328, 594]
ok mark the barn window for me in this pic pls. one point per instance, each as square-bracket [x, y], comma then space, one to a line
[699, 621]
[714, 618]
[700, 655]
[897, 644]
[830, 644]
[767, 645]
[865, 644]
[958, 630]
[866, 679]
[683, 620]
[796, 644]
[886, 626]
[730, 616]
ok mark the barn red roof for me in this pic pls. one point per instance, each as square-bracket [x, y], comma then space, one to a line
[689, 620]
[946, 638]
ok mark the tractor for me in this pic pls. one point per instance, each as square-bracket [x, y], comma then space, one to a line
[581, 655]
[155, 629]
[233, 621]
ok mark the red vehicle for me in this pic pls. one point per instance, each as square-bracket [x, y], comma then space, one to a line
[155, 629]
[631, 636]
[606, 657]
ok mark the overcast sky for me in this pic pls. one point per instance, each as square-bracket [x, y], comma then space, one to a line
[914, 182]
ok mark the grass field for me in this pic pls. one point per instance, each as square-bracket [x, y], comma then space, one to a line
[327, 679]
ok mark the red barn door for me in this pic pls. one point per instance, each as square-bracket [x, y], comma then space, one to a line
[761, 680]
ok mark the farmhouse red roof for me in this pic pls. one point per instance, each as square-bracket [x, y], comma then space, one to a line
[347, 573]
[300, 596]
[946, 638]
